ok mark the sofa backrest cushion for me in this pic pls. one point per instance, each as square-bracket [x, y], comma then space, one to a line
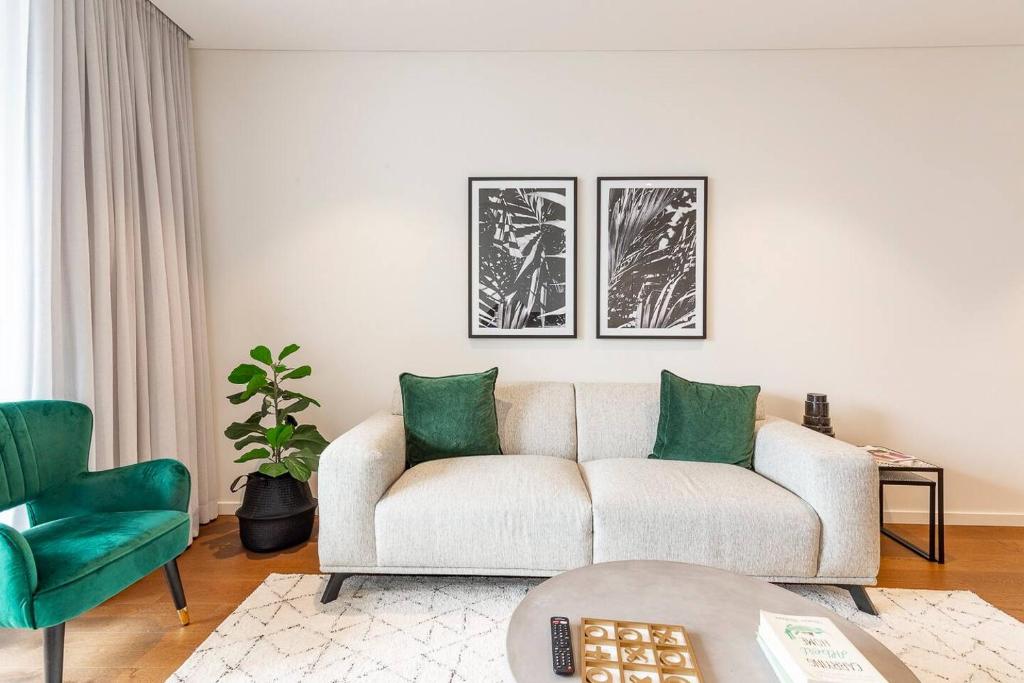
[620, 420]
[595, 420]
[534, 418]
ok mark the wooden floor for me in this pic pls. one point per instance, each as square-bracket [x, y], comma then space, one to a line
[136, 636]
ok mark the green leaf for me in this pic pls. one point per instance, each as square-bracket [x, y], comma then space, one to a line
[312, 461]
[254, 454]
[262, 354]
[264, 410]
[276, 436]
[290, 395]
[245, 372]
[307, 438]
[273, 469]
[298, 469]
[308, 432]
[299, 372]
[236, 430]
[287, 351]
[254, 385]
[250, 440]
[237, 398]
[296, 407]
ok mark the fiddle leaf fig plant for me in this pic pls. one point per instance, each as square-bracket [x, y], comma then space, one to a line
[287, 446]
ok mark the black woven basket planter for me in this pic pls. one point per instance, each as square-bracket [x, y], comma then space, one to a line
[276, 513]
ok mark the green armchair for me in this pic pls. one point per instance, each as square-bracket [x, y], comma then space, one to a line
[93, 534]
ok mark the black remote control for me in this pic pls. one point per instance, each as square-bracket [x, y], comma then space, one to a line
[561, 647]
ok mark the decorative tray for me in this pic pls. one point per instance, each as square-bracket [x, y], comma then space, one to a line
[636, 652]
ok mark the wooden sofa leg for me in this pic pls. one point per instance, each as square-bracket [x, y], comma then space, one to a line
[862, 599]
[53, 653]
[177, 592]
[333, 586]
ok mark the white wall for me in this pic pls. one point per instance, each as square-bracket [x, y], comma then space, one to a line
[866, 226]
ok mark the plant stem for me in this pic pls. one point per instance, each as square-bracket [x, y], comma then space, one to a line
[277, 417]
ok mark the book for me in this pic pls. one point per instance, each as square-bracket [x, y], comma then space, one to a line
[812, 650]
[780, 673]
[887, 456]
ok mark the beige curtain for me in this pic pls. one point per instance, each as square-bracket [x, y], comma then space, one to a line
[117, 313]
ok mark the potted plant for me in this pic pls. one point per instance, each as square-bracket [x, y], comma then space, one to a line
[277, 508]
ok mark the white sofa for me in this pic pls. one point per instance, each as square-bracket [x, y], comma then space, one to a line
[575, 486]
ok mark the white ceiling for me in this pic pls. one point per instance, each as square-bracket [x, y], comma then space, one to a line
[595, 24]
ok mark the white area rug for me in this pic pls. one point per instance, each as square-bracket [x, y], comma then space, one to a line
[452, 630]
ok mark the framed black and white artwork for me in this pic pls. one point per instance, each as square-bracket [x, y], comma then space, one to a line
[522, 257]
[651, 257]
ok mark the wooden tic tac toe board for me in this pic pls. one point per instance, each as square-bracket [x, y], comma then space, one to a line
[636, 652]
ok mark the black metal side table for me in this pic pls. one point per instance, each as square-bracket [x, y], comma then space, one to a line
[909, 474]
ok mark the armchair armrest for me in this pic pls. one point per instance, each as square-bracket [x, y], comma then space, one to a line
[838, 480]
[18, 580]
[355, 472]
[163, 484]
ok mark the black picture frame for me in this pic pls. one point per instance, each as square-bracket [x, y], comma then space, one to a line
[700, 329]
[570, 328]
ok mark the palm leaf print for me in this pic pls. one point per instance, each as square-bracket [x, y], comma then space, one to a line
[522, 250]
[652, 258]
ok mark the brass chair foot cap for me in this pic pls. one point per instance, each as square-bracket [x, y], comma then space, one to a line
[183, 616]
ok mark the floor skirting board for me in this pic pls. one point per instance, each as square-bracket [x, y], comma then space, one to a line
[957, 518]
[228, 507]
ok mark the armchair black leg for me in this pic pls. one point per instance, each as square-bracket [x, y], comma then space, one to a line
[53, 653]
[862, 599]
[177, 592]
[333, 586]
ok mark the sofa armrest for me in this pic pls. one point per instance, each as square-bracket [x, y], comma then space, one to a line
[162, 484]
[18, 580]
[838, 480]
[355, 472]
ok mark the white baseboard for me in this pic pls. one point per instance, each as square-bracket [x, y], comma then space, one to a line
[228, 507]
[957, 518]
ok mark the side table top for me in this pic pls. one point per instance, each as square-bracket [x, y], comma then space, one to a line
[719, 609]
[910, 465]
[888, 459]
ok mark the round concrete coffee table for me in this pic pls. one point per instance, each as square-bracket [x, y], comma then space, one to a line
[719, 609]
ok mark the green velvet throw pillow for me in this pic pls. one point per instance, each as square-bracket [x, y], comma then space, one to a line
[450, 416]
[705, 422]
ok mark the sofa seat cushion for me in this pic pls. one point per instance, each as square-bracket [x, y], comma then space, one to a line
[528, 512]
[704, 513]
[82, 561]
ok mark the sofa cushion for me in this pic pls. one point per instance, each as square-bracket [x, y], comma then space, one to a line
[620, 420]
[705, 422]
[533, 417]
[703, 513]
[449, 416]
[486, 512]
[83, 560]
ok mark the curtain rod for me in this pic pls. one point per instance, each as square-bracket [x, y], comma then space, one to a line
[164, 14]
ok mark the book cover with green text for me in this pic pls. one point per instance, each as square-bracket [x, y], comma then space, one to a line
[812, 650]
